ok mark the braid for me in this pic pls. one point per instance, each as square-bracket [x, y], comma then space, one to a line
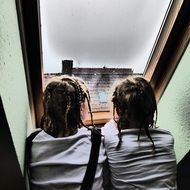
[91, 115]
[119, 135]
[47, 120]
[115, 103]
[59, 105]
[134, 101]
[82, 93]
[148, 134]
[139, 134]
[83, 96]
[79, 91]
[62, 103]
[118, 127]
[68, 107]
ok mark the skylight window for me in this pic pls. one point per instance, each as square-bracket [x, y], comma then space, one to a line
[101, 33]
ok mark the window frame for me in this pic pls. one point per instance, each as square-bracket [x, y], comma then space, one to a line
[172, 44]
[165, 57]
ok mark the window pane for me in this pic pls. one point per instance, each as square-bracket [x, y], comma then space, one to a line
[101, 33]
[106, 40]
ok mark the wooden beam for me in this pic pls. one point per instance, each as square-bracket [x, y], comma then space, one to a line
[169, 23]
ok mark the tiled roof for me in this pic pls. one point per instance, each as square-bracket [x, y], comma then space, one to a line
[99, 81]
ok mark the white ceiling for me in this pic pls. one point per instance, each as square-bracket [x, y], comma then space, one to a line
[97, 33]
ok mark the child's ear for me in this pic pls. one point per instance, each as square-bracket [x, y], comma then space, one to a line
[116, 115]
[118, 111]
[83, 111]
[82, 107]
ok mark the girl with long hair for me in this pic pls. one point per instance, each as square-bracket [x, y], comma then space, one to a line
[140, 155]
[60, 152]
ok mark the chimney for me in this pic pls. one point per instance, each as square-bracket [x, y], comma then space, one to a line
[67, 67]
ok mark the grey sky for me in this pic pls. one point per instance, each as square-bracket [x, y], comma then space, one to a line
[97, 33]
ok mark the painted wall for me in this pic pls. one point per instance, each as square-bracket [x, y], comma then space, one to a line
[174, 106]
[13, 89]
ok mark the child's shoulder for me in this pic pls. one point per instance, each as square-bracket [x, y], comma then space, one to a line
[160, 131]
[110, 128]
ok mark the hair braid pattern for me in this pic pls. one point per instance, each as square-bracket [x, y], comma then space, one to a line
[62, 102]
[134, 102]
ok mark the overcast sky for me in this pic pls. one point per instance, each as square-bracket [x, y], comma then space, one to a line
[97, 33]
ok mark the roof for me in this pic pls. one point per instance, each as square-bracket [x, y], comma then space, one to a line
[99, 82]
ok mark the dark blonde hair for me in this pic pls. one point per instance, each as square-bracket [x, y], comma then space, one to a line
[62, 103]
[134, 100]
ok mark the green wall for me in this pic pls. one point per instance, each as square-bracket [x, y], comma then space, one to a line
[174, 106]
[13, 89]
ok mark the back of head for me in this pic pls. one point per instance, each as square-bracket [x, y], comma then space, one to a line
[135, 103]
[134, 100]
[62, 101]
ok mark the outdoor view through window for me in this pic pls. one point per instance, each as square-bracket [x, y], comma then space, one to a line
[100, 41]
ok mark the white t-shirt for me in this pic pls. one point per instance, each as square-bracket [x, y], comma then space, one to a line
[60, 163]
[134, 166]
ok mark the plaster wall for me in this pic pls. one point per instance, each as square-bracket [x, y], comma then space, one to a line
[13, 88]
[174, 106]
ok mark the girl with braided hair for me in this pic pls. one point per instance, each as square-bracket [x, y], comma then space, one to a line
[140, 155]
[60, 152]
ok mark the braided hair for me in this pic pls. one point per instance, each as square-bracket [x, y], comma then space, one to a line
[134, 102]
[62, 101]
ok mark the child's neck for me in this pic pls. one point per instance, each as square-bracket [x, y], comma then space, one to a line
[131, 125]
[66, 133]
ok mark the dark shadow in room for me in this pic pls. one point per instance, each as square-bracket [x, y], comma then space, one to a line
[183, 173]
[10, 173]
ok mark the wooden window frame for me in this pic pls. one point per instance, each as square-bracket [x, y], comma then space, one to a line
[172, 43]
[30, 35]
[167, 53]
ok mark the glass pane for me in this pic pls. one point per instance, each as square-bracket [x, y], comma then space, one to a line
[100, 33]
[105, 40]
